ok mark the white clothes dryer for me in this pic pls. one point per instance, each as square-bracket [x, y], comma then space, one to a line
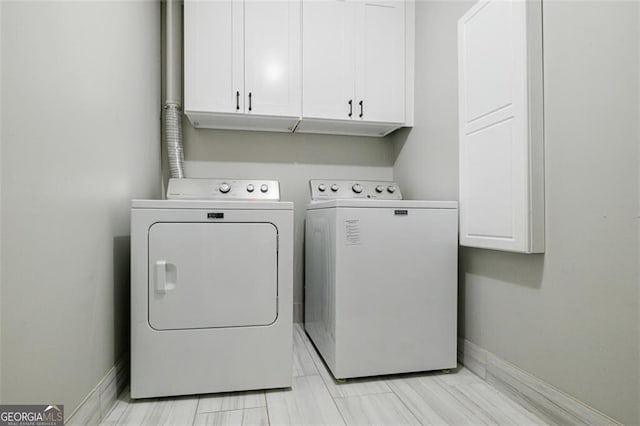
[380, 279]
[211, 289]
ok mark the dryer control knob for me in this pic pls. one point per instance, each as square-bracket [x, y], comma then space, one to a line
[357, 188]
[264, 187]
[322, 187]
[250, 188]
[335, 187]
[224, 188]
[379, 188]
[391, 189]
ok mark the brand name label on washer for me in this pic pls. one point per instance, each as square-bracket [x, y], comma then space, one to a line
[215, 215]
[401, 212]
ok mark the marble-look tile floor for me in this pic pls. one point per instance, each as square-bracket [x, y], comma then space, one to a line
[455, 398]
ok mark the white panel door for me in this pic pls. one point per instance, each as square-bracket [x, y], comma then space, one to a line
[380, 72]
[328, 59]
[204, 275]
[272, 57]
[213, 55]
[500, 112]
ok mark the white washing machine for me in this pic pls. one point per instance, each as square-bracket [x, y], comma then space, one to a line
[211, 289]
[380, 279]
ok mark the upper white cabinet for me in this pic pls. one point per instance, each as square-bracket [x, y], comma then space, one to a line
[328, 58]
[501, 126]
[380, 65]
[354, 66]
[242, 64]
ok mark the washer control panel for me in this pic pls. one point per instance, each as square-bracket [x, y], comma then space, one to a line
[324, 189]
[223, 189]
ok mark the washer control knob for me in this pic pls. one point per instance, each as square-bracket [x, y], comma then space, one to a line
[391, 189]
[250, 188]
[322, 187]
[335, 187]
[379, 188]
[224, 187]
[264, 187]
[357, 188]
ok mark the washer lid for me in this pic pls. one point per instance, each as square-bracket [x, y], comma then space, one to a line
[211, 204]
[404, 204]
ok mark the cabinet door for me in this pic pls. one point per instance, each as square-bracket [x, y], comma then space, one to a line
[328, 59]
[272, 57]
[380, 73]
[213, 55]
[500, 112]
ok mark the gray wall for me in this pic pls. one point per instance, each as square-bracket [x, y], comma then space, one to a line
[80, 138]
[570, 316]
[292, 159]
[426, 157]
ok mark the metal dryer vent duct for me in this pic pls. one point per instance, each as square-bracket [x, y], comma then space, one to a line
[172, 105]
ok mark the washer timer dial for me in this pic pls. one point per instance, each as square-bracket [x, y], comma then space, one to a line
[224, 187]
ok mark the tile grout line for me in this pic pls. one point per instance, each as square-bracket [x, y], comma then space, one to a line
[231, 409]
[335, 404]
[307, 342]
[363, 395]
[502, 394]
[309, 346]
[415, 416]
[461, 398]
[266, 407]
[306, 339]
[196, 413]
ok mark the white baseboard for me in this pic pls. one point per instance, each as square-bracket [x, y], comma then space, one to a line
[97, 404]
[552, 405]
[473, 357]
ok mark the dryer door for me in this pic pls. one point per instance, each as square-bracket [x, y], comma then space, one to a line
[207, 275]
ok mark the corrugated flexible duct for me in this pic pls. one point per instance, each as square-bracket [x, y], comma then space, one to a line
[172, 106]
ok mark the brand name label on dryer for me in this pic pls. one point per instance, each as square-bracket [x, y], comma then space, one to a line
[217, 215]
[401, 212]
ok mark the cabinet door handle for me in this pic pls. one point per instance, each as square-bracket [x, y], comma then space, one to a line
[350, 107]
[361, 103]
[249, 101]
[237, 101]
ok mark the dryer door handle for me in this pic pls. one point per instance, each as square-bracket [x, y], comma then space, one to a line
[162, 286]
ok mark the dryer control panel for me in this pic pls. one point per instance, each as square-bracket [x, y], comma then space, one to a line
[326, 189]
[223, 189]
